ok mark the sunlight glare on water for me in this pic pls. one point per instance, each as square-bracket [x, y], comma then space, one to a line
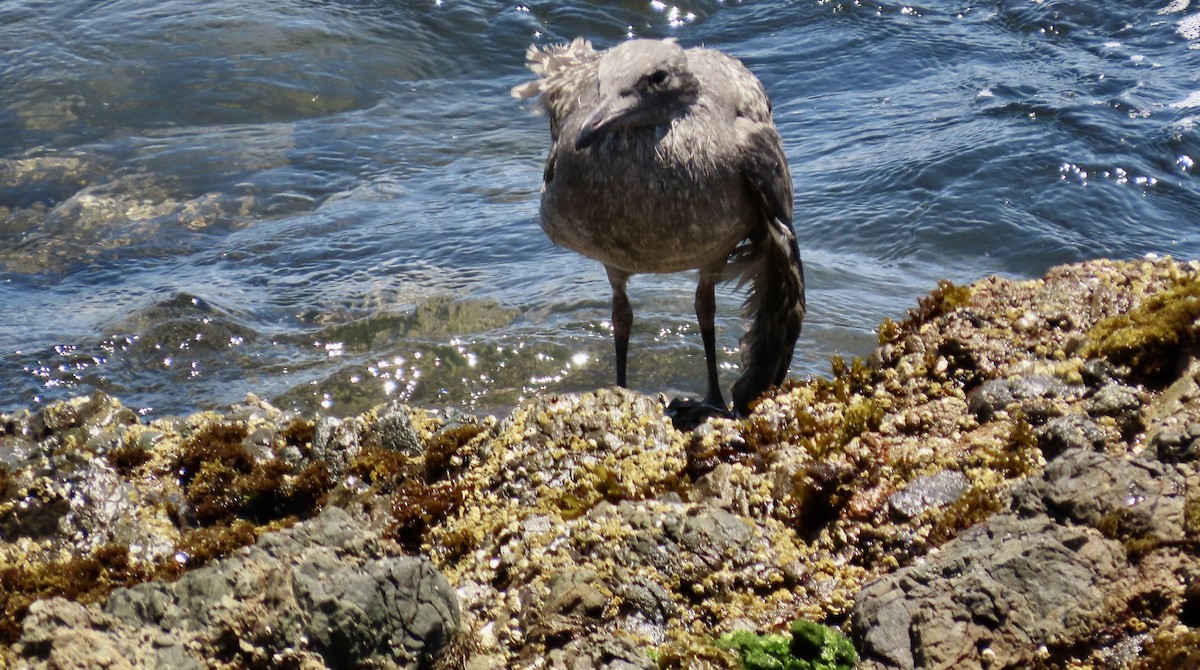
[334, 205]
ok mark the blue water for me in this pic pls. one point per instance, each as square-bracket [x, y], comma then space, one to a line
[333, 204]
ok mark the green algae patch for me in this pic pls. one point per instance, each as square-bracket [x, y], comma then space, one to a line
[1152, 337]
[810, 646]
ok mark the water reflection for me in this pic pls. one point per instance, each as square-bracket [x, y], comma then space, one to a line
[333, 204]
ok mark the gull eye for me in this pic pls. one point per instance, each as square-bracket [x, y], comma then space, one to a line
[658, 78]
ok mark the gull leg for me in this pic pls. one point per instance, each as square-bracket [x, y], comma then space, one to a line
[622, 320]
[706, 314]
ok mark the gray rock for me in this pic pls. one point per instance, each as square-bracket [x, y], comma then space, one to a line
[1177, 445]
[60, 634]
[322, 592]
[713, 538]
[397, 434]
[996, 395]
[337, 442]
[990, 598]
[1073, 431]
[617, 652]
[576, 592]
[1097, 372]
[1127, 498]
[927, 492]
[1120, 402]
[399, 609]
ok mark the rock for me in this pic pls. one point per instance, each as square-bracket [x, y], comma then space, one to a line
[619, 652]
[322, 591]
[394, 609]
[1177, 445]
[1124, 498]
[998, 394]
[1120, 402]
[1073, 431]
[990, 599]
[336, 442]
[397, 434]
[927, 492]
[1057, 526]
[66, 635]
[576, 592]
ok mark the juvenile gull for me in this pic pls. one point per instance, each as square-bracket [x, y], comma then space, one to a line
[666, 159]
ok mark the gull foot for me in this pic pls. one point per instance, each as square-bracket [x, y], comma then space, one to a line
[688, 413]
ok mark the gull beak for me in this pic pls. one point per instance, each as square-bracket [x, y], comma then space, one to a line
[605, 117]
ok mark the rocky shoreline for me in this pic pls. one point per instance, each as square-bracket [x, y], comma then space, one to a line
[1012, 480]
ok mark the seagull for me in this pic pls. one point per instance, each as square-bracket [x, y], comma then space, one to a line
[665, 159]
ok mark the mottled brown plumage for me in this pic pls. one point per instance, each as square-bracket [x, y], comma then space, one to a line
[666, 159]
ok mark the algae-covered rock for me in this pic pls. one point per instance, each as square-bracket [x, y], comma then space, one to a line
[323, 592]
[1010, 480]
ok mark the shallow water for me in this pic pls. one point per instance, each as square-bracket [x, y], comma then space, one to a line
[330, 204]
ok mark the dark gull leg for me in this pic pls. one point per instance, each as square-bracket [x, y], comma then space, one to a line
[622, 320]
[706, 314]
[686, 413]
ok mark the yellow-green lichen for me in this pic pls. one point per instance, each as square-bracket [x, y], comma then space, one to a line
[1171, 650]
[1151, 337]
[686, 651]
[944, 299]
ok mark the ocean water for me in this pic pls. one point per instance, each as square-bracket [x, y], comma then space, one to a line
[334, 204]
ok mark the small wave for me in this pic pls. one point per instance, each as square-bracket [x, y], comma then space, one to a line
[1193, 100]
[1175, 6]
[1189, 27]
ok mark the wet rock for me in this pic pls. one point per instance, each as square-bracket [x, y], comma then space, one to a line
[45, 178]
[1028, 392]
[63, 491]
[1073, 431]
[927, 492]
[397, 434]
[336, 442]
[991, 598]
[87, 415]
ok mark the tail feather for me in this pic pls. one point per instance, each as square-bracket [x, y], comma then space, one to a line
[771, 264]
